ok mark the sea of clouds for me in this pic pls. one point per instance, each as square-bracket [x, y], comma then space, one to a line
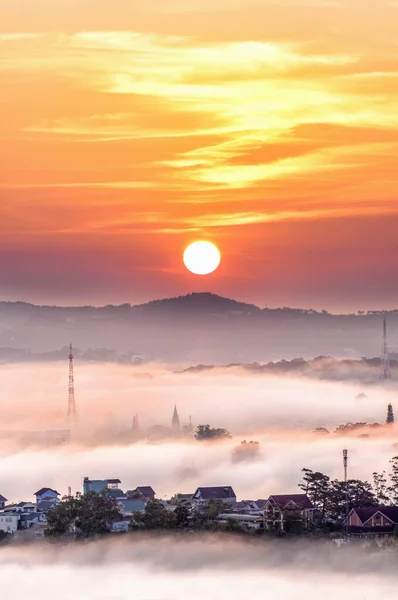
[175, 568]
[280, 413]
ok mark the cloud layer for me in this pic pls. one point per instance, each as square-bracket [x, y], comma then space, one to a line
[279, 413]
[207, 566]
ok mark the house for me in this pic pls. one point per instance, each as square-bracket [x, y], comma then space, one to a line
[24, 507]
[9, 522]
[2, 502]
[247, 507]
[278, 508]
[119, 526]
[34, 518]
[145, 492]
[99, 485]
[113, 484]
[246, 521]
[129, 507]
[47, 505]
[115, 493]
[46, 495]
[167, 506]
[375, 521]
[225, 494]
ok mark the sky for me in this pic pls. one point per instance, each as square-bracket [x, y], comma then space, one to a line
[130, 129]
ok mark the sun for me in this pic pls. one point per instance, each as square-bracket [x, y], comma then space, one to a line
[202, 258]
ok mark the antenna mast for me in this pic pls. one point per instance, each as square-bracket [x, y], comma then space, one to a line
[72, 417]
[345, 462]
[385, 371]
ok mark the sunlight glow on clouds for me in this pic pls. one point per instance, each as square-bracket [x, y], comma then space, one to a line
[161, 110]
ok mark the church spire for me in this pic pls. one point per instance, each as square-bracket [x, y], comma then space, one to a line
[136, 425]
[175, 423]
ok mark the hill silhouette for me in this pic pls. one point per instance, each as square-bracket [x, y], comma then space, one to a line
[199, 328]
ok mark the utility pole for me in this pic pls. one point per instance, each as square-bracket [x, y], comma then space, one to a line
[345, 462]
[72, 417]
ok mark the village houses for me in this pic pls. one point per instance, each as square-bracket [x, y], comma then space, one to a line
[272, 513]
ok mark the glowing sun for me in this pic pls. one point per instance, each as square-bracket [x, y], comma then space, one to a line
[202, 258]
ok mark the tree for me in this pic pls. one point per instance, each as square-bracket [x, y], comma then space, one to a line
[390, 415]
[233, 526]
[205, 432]
[87, 515]
[321, 431]
[293, 524]
[203, 516]
[329, 497]
[216, 507]
[380, 488]
[393, 487]
[245, 451]
[155, 516]
[134, 495]
[317, 487]
[181, 514]
[351, 428]
[359, 494]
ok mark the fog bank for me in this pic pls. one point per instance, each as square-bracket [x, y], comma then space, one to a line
[280, 413]
[213, 567]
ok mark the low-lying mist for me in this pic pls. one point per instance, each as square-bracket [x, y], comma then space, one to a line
[175, 567]
[278, 412]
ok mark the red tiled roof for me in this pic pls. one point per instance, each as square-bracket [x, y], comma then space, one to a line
[301, 500]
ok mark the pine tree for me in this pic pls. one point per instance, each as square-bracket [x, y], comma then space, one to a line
[390, 415]
[393, 488]
[380, 488]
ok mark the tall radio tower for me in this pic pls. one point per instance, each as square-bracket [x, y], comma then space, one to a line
[72, 417]
[385, 371]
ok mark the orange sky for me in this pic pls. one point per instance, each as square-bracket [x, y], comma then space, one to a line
[130, 129]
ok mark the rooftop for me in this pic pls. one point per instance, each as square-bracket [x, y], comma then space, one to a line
[44, 490]
[301, 500]
[209, 493]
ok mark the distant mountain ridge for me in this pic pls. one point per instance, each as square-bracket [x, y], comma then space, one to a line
[197, 328]
[202, 301]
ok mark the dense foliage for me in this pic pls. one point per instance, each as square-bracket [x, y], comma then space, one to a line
[82, 515]
[329, 496]
[205, 432]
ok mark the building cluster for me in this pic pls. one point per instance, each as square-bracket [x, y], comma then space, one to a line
[29, 519]
[32, 516]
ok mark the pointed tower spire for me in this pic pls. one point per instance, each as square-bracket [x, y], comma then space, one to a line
[136, 425]
[175, 423]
